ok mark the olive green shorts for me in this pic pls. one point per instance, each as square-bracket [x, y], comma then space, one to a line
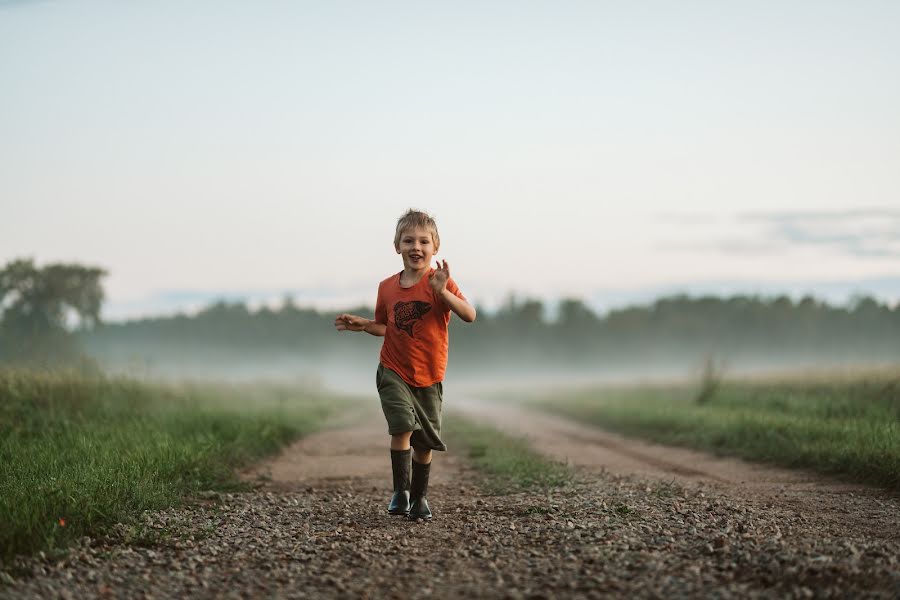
[408, 408]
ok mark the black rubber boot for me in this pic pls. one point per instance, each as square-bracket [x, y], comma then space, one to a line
[400, 460]
[418, 489]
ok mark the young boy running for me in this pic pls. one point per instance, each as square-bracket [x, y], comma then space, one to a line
[412, 313]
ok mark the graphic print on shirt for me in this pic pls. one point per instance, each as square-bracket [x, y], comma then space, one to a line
[407, 313]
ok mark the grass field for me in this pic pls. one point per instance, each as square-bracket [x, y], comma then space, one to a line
[80, 453]
[847, 426]
[508, 463]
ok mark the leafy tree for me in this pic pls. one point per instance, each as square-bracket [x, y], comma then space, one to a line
[38, 305]
[574, 314]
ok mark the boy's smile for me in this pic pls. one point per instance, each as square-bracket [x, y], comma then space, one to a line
[416, 247]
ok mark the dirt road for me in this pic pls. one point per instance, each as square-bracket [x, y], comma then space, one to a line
[641, 521]
[833, 503]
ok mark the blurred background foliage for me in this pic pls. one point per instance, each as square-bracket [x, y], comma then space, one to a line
[41, 305]
[680, 329]
[51, 312]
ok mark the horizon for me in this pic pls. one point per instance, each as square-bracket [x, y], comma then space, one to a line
[190, 302]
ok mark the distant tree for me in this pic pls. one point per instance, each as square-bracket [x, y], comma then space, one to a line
[40, 304]
[531, 312]
[288, 304]
[574, 314]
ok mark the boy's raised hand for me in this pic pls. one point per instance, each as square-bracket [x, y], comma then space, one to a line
[348, 322]
[438, 279]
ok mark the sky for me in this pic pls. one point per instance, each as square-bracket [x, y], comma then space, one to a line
[603, 150]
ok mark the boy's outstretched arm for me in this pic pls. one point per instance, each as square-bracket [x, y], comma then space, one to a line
[438, 281]
[463, 309]
[348, 322]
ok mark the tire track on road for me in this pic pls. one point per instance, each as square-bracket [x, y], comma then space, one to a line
[594, 450]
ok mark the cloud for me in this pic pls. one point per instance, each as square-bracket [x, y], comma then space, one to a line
[863, 232]
[734, 246]
[837, 215]
[19, 3]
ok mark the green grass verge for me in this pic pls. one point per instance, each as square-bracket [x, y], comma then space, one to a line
[79, 453]
[508, 463]
[847, 427]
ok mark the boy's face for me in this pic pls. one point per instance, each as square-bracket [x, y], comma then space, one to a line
[416, 247]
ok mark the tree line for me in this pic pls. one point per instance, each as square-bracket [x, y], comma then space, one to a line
[51, 314]
[676, 328]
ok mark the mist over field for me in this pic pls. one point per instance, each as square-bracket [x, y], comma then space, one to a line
[672, 339]
[354, 372]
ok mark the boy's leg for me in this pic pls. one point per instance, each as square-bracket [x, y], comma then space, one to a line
[418, 489]
[400, 466]
[421, 455]
[397, 405]
[414, 419]
[428, 404]
[400, 441]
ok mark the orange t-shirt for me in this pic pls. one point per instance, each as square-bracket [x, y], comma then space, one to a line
[415, 341]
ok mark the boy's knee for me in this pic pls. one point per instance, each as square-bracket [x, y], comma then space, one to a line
[420, 451]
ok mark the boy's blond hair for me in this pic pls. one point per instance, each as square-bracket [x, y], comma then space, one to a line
[416, 218]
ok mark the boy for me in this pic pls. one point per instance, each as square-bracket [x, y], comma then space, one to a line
[412, 312]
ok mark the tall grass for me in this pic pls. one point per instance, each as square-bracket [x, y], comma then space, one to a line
[78, 453]
[843, 426]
